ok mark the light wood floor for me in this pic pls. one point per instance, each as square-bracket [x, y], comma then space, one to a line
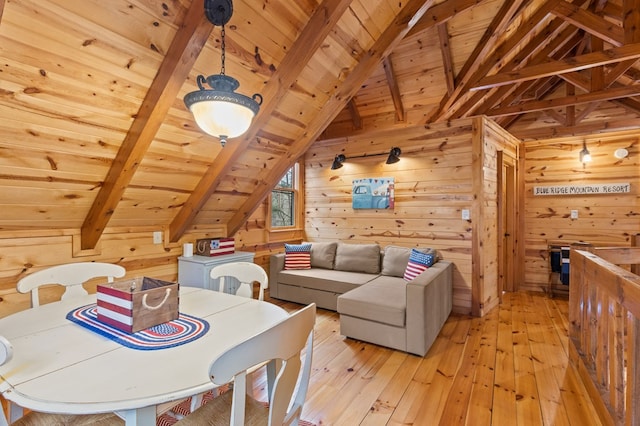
[509, 368]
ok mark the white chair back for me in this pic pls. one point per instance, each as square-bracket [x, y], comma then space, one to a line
[6, 352]
[282, 342]
[246, 273]
[71, 276]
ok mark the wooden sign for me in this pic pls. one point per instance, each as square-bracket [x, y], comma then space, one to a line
[593, 189]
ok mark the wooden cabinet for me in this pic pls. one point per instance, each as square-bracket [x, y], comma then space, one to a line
[194, 271]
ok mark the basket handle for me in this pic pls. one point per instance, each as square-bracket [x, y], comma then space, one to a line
[159, 305]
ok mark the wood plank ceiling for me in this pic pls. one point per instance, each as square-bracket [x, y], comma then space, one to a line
[94, 133]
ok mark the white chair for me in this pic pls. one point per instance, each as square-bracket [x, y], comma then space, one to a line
[246, 273]
[71, 276]
[284, 342]
[36, 418]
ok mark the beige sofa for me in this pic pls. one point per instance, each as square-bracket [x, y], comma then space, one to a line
[365, 285]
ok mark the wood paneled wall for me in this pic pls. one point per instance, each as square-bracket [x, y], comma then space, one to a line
[26, 251]
[603, 220]
[440, 169]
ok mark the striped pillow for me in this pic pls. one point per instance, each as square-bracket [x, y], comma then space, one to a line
[297, 256]
[418, 263]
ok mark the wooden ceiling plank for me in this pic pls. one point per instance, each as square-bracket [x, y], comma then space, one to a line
[585, 128]
[590, 22]
[603, 95]
[392, 82]
[411, 13]
[556, 116]
[473, 67]
[588, 60]
[320, 24]
[185, 47]
[1, 9]
[447, 60]
[355, 114]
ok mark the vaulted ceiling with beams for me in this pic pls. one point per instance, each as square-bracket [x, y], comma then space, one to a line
[94, 132]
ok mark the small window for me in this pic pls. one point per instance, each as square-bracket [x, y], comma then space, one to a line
[283, 201]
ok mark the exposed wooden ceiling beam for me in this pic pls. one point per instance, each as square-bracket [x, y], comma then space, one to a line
[392, 82]
[577, 63]
[603, 95]
[411, 13]
[585, 128]
[631, 21]
[480, 63]
[441, 13]
[325, 17]
[590, 22]
[447, 60]
[563, 40]
[185, 48]
[355, 114]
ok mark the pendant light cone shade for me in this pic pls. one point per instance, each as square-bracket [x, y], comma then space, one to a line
[220, 111]
[394, 155]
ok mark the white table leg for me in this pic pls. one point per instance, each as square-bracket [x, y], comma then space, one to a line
[145, 416]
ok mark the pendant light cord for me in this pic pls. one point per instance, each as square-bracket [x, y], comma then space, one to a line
[223, 54]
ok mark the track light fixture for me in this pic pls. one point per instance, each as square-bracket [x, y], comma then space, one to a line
[337, 162]
[585, 155]
[394, 155]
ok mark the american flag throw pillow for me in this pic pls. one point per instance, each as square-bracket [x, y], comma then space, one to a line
[297, 256]
[418, 262]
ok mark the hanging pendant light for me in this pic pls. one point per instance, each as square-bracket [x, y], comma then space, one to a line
[220, 111]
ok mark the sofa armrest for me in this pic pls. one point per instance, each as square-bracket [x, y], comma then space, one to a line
[429, 303]
[276, 264]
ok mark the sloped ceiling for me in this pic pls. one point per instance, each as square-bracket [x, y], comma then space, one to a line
[94, 132]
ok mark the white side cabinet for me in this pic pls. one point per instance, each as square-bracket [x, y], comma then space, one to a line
[194, 271]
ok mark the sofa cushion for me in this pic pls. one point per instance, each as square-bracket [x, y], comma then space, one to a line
[323, 255]
[418, 263]
[297, 256]
[329, 280]
[381, 300]
[358, 258]
[395, 261]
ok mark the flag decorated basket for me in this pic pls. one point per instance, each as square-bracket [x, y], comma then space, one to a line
[136, 304]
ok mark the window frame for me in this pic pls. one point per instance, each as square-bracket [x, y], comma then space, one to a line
[297, 201]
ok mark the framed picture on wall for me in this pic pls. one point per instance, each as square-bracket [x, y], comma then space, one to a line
[373, 193]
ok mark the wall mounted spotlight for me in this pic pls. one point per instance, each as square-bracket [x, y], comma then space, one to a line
[394, 155]
[585, 155]
[337, 162]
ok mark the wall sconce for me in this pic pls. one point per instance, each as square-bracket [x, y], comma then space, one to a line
[585, 155]
[337, 162]
[394, 157]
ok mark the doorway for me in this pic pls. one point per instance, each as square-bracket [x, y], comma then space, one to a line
[507, 219]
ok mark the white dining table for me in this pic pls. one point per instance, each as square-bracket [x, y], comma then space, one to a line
[61, 367]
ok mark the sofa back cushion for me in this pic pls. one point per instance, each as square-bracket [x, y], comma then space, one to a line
[323, 255]
[396, 259]
[358, 258]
